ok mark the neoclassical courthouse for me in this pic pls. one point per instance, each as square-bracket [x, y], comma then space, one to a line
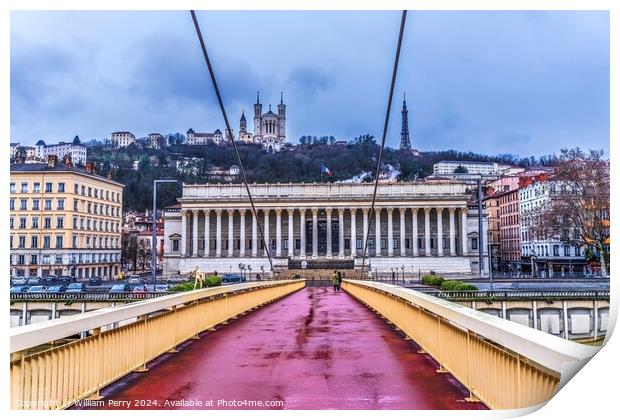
[420, 226]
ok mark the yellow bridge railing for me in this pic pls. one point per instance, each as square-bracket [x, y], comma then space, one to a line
[45, 376]
[503, 364]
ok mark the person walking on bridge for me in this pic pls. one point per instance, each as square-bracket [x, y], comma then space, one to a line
[339, 279]
[335, 281]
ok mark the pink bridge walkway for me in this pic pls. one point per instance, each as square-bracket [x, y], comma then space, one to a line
[314, 349]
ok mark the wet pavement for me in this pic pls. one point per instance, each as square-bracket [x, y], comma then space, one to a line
[314, 349]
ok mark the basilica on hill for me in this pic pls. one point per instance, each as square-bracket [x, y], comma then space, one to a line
[269, 128]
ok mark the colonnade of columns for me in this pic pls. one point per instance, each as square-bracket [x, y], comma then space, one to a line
[411, 240]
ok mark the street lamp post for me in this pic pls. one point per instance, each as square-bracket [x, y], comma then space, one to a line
[154, 228]
[490, 264]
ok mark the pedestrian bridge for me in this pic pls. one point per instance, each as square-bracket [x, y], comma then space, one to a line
[280, 344]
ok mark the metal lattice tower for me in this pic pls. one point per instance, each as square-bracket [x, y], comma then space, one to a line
[405, 143]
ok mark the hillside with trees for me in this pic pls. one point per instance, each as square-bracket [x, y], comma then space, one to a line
[301, 163]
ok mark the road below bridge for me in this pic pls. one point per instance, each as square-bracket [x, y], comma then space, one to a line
[314, 349]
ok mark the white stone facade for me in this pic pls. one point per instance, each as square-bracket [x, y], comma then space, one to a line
[77, 152]
[200, 139]
[532, 198]
[422, 226]
[122, 139]
[447, 167]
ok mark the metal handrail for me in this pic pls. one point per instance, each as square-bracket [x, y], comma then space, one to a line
[86, 296]
[32, 335]
[519, 294]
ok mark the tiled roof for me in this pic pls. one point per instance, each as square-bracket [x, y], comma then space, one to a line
[60, 167]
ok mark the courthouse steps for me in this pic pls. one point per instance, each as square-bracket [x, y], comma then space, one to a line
[447, 266]
[450, 267]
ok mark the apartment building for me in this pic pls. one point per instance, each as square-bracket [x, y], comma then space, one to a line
[64, 220]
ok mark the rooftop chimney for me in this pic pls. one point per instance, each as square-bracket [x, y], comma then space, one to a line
[52, 161]
[68, 161]
[110, 176]
[90, 167]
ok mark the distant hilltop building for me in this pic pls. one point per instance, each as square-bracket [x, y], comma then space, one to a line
[194, 138]
[460, 167]
[76, 151]
[269, 128]
[156, 140]
[122, 139]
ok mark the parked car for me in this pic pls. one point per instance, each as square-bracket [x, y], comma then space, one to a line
[19, 281]
[66, 280]
[19, 289]
[50, 279]
[36, 289]
[120, 288]
[162, 287]
[33, 281]
[57, 289]
[231, 278]
[139, 290]
[135, 279]
[95, 281]
[76, 288]
[175, 278]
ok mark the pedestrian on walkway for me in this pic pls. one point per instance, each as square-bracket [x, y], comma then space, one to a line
[335, 280]
[339, 279]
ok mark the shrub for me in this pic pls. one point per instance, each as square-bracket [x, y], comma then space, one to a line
[466, 286]
[183, 287]
[432, 280]
[450, 285]
[456, 285]
[210, 281]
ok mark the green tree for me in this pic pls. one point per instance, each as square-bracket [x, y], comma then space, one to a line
[461, 170]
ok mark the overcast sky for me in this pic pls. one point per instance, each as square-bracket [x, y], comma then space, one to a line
[492, 82]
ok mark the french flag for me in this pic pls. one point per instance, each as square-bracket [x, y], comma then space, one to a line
[325, 170]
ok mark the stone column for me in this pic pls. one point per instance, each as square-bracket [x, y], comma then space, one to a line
[184, 233]
[452, 232]
[365, 232]
[403, 248]
[218, 233]
[427, 232]
[340, 233]
[195, 233]
[302, 233]
[439, 231]
[291, 235]
[266, 230]
[278, 232]
[207, 232]
[315, 233]
[390, 233]
[378, 232]
[328, 212]
[254, 235]
[464, 250]
[242, 233]
[231, 244]
[353, 232]
[414, 231]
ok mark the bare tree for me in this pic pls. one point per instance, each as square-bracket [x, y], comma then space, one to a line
[129, 250]
[577, 212]
[144, 253]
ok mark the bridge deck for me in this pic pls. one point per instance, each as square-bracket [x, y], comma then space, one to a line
[314, 349]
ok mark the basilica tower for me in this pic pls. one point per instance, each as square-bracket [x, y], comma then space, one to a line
[258, 112]
[281, 118]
